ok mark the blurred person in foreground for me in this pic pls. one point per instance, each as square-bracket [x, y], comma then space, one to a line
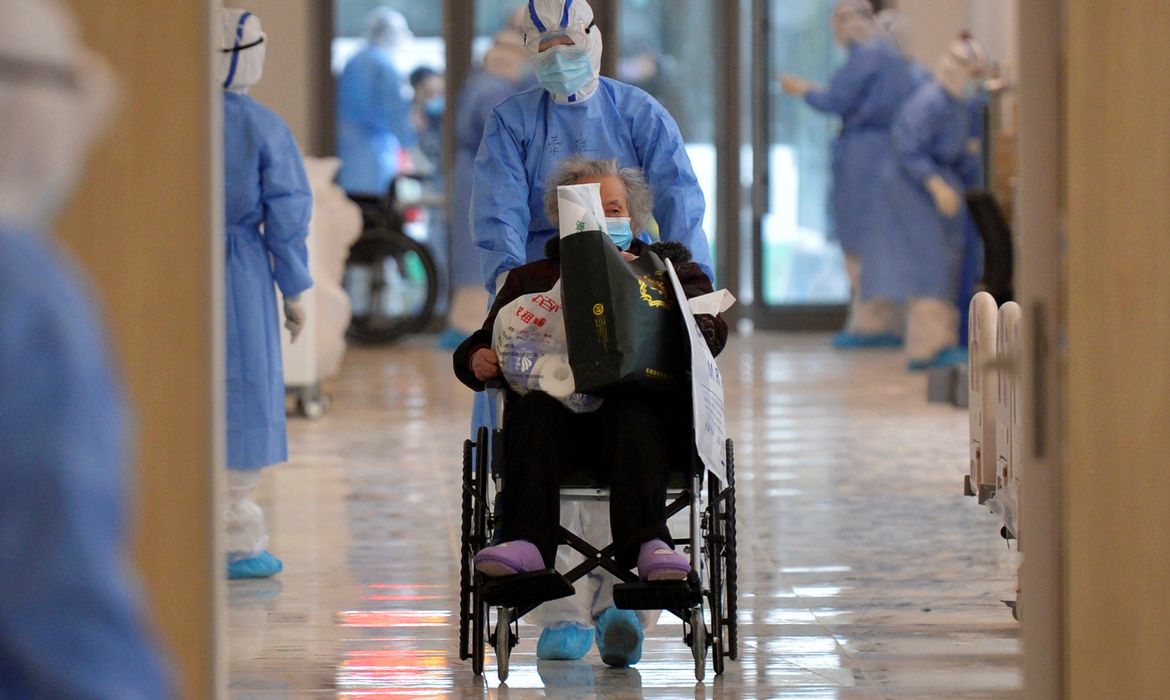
[71, 622]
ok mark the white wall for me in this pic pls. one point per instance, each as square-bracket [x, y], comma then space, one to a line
[933, 23]
[289, 84]
[994, 23]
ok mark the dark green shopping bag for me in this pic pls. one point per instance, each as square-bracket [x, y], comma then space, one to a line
[622, 321]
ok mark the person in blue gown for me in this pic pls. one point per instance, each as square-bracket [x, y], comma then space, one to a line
[267, 204]
[502, 75]
[866, 93]
[72, 623]
[373, 109]
[937, 159]
[575, 112]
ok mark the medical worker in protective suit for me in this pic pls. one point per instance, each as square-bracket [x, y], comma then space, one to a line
[267, 204]
[866, 93]
[373, 109]
[503, 74]
[70, 622]
[575, 111]
[936, 160]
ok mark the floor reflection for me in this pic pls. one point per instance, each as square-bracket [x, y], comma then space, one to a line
[864, 572]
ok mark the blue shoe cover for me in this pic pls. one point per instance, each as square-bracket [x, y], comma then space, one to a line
[951, 357]
[565, 641]
[450, 339]
[619, 637]
[852, 341]
[263, 565]
[947, 358]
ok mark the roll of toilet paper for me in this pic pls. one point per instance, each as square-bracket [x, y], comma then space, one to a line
[555, 375]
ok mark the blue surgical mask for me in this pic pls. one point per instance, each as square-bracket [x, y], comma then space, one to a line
[564, 70]
[620, 232]
[435, 106]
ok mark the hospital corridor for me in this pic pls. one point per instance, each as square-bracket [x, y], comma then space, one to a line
[864, 572]
[745, 349]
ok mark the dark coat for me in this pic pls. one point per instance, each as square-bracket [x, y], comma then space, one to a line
[541, 275]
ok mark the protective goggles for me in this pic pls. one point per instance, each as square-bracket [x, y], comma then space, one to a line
[576, 32]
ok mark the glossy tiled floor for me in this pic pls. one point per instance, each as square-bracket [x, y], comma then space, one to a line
[864, 573]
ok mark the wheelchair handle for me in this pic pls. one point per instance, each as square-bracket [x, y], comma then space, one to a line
[497, 390]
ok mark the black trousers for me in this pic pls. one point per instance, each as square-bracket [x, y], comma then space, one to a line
[630, 444]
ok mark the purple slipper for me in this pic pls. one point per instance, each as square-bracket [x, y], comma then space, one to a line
[515, 557]
[658, 562]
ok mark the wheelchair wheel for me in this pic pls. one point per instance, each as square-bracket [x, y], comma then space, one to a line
[465, 555]
[479, 539]
[715, 537]
[699, 642]
[731, 616]
[392, 285]
[503, 642]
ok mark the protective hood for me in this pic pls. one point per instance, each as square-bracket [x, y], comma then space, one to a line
[241, 51]
[548, 19]
[55, 99]
[387, 27]
[961, 67]
[853, 22]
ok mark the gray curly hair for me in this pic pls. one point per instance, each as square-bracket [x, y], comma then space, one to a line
[575, 168]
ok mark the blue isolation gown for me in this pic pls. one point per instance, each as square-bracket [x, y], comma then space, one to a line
[70, 626]
[264, 183]
[866, 93]
[528, 135]
[482, 92]
[932, 136]
[373, 122]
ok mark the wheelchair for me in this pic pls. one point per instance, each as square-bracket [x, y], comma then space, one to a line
[391, 278]
[706, 602]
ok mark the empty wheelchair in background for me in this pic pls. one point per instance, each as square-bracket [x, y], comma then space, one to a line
[390, 277]
[706, 603]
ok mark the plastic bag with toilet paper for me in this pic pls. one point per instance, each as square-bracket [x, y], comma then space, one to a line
[529, 340]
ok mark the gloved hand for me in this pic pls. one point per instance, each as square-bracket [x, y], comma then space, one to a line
[294, 316]
[793, 85]
[946, 199]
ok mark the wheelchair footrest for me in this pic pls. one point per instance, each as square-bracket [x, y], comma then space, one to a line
[526, 589]
[660, 595]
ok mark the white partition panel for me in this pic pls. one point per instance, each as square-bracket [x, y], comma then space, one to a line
[1007, 420]
[982, 377]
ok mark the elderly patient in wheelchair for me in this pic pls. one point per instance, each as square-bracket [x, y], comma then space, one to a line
[630, 443]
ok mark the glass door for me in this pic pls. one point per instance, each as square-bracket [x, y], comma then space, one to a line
[800, 279]
[660, 52]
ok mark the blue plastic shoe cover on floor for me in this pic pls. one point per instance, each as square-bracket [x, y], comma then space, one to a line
[263, 565]
[619, 637]
[566, 641]
[450, 339]
[852, 341]
[947, 358]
